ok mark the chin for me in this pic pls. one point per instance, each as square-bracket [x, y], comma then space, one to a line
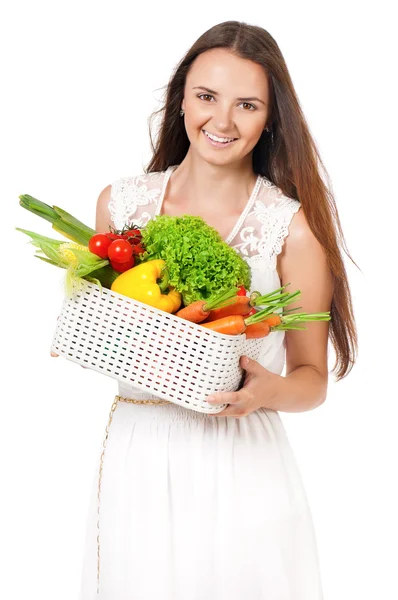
[214, 159]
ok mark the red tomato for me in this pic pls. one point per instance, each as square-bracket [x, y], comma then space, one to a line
[138, 249]
[241, 291]
[133, 233]
[115, 236]
[99, 245]
[120, 251]
[122, 267]
[133, 238]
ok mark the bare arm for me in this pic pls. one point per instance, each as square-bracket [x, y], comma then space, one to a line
[102, 215]
[303, 264]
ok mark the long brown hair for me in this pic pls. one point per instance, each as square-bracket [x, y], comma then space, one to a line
[287, 155]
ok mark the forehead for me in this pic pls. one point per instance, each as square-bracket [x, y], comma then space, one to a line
[225, 72]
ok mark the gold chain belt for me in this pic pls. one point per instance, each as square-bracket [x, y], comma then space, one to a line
[121, 399]
[113, 408]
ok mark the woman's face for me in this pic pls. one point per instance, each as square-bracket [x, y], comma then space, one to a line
[218, 109]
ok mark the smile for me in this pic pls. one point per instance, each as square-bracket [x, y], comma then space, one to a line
[217, 141]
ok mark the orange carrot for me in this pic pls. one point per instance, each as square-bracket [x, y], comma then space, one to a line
[239, 306]
[261, 324]
[273, 320]
[196, 312]
[257, 330]
[232, 325]
[238, 324]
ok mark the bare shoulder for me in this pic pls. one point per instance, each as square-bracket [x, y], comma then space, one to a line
[304, 265]
[103, 218]
[299, 230]
[300, 245]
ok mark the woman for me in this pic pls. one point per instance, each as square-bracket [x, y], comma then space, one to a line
[192, 506]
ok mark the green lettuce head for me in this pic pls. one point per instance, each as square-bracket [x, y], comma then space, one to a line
[199, 262]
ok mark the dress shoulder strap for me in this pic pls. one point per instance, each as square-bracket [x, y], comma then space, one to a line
[134, 199]
[266, 226]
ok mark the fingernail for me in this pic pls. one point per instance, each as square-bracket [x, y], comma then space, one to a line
[210, 399]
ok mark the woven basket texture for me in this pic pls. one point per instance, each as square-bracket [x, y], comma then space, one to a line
[148, 348]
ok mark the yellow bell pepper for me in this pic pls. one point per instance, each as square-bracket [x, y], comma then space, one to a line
[148, 283]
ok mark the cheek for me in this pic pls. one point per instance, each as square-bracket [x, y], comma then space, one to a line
[256, 128]
[255, 133]
[202, 113]
[198, 118]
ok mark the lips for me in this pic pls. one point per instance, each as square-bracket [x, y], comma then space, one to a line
[218, 144]
[232, 139]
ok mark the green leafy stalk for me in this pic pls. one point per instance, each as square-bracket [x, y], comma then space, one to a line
[273, 297]
[38, 239]
[68, 218]
[62, 221]
[48, 246]
[51, 262]
[106, 275]
[85, 263]
[257, 299]
[288, 321]
[274, 305]
[220, 300]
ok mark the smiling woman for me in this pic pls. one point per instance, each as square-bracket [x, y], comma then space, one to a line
[194, 505]
[225, 116]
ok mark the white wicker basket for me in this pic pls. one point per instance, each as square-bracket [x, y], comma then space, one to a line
[148, 348]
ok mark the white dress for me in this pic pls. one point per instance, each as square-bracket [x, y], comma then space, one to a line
[189, 506]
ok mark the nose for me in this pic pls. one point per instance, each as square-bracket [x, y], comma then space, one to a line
[222, 117]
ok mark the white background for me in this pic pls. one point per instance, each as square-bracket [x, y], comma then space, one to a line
[80, 80]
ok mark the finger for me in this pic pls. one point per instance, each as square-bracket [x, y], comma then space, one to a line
[244, 361]
[224, 398]
[229, 411]
[251, 367]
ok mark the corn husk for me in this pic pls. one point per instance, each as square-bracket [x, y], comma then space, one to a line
[77, 259]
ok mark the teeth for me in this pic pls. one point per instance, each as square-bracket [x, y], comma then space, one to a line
[217, 139]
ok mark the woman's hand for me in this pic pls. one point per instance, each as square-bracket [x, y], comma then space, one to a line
[259, 388]
[55, 355]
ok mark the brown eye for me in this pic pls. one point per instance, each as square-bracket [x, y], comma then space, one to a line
[248, 104]
[208, 95]
[245, 103]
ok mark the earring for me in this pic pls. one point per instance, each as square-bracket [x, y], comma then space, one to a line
[181, 113]
[272, 134]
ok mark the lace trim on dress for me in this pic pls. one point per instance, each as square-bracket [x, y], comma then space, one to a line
[266, 226]
[246, 210]
[258, 234]
[130, 193]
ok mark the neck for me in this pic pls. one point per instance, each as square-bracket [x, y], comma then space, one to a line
[212, 185]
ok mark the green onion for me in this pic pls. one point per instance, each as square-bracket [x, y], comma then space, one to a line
[62, 221]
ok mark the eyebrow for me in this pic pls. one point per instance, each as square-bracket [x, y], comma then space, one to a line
[201, 87]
